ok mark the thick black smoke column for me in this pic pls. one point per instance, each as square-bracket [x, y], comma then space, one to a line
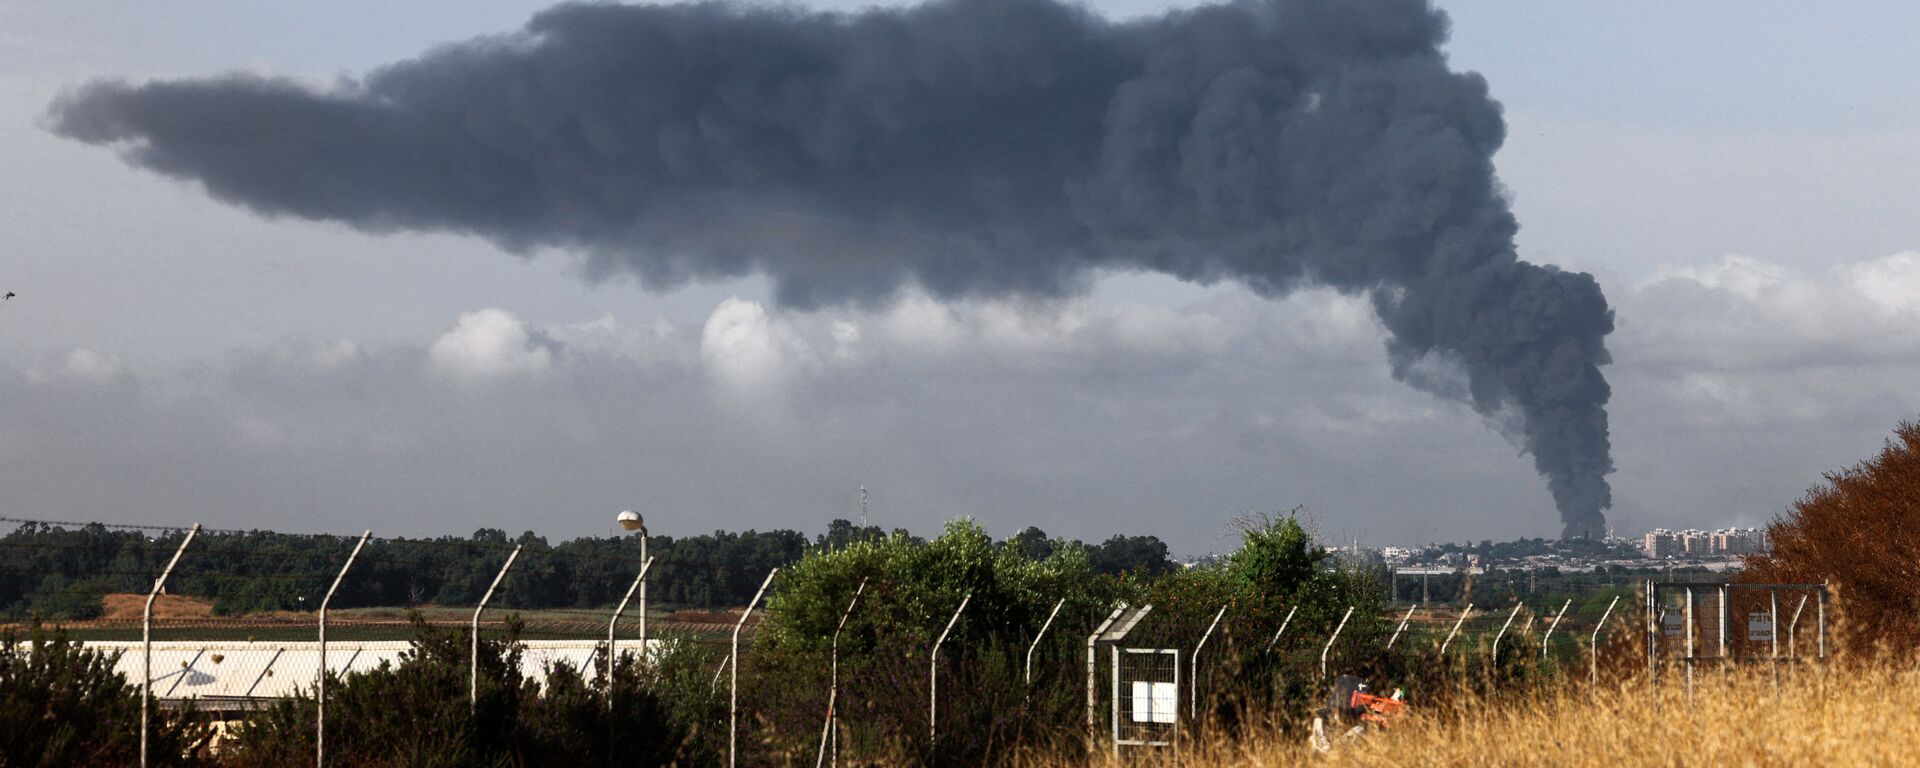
[970, 147]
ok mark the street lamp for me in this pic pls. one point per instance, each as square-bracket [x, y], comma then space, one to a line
[631, 520]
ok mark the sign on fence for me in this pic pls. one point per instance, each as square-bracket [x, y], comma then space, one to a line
[1760, 627]
[1673, 622]
[1155, 702]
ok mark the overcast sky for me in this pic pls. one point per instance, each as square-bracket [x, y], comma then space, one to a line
[1743, 178]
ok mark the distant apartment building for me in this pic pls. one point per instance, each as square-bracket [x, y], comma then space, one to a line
[1696, 543]
[1661, 543]
[1739, 541]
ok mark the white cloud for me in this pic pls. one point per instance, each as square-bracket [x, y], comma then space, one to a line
[846, 339]
[1085, 416]
[1741, 345]
[1891, 283]
[490, 343]
[79, 365]
[749, 351]
[657, 343]
[1740, 313]
[1741, 276]
[918, 322]
[339, 352]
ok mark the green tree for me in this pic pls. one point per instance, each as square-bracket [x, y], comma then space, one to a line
[61, 705]
[913, 588]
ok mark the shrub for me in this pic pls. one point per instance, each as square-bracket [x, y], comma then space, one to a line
[1860, 531]
[61, 705]
[417, 713]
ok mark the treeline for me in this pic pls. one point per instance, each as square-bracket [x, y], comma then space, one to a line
[56, 572]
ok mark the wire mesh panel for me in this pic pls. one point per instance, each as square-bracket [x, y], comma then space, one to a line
[1722, 623]
[1146, 697]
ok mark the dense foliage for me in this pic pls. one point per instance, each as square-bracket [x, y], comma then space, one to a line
[1860, 532]
[912, 590]
[417, 713]
[61, 705]
[989, 707]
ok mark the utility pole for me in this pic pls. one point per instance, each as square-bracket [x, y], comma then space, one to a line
[863, 507]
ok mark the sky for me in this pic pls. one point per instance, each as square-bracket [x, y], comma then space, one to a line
[1740, 177]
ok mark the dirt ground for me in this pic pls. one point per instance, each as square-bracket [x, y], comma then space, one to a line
[128, 607]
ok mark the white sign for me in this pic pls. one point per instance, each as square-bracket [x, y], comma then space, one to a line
[1674, 623]
[1154, 702]
[1760, 627]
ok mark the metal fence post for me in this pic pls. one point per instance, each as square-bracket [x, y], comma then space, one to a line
[146, 643]
[1402, 627]
[1503, 634]
[1093, 684]
[1649, 625]
[1193, 686]
[831, 732]
[1793, 626]
[725, 662]
[473, 665]
[320, 681]
[1282, 630]
[1330, 641]
[1028, 678]
[1820, 622]
[1114, 700]
[1727, 624]
[1690, 642]
[733, 690]
[933, 675]
[645, 561]
[1456, 629]
[1773, 631]
[1176, 705]
[1773, 626]
[613, 653]
[1595, 643]
[1555, 625]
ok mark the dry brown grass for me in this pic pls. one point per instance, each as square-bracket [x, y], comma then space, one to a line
[129, 607]
[1815, 717]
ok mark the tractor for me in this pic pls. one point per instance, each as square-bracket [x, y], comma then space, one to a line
[1352, 709]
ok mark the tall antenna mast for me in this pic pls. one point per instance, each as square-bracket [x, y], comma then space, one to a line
[863, 506]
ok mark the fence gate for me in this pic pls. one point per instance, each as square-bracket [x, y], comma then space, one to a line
[1146, 698]
[1721, 623]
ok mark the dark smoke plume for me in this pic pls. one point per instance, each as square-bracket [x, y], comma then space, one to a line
[969, 147]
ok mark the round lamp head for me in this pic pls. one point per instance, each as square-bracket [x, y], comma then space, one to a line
[630, 520]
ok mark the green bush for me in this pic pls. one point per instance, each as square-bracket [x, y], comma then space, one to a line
[417, 713]
[912, 590]
[64, 705]
[988, 710]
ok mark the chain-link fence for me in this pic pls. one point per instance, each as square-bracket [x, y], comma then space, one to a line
[234, 628]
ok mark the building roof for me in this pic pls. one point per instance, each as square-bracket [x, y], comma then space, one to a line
[229, 671]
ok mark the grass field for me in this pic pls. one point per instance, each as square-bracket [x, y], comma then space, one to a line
[1810, 717]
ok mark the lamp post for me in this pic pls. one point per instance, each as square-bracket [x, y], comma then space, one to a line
[631, 520]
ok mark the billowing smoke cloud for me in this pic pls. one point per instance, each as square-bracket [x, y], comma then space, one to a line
[967, 147]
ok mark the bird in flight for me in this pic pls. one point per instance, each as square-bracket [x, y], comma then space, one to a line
[9, 296]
